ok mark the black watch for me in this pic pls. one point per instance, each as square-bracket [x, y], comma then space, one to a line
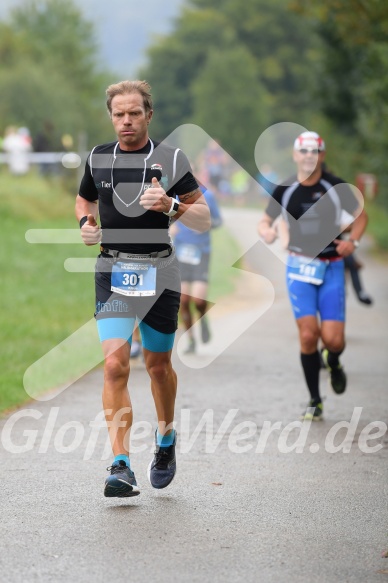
[83, 221]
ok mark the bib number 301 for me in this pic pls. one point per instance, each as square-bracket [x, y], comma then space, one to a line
[134, 279]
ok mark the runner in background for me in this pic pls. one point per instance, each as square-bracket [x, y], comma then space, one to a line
[215, 164]
[193, 253]
[353, 266]
[311, 203]
[137, 347]
[17, 145]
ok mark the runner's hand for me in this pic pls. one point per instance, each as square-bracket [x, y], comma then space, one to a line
[269, 235]
[90, 231]
[344, 247]
[155, 198]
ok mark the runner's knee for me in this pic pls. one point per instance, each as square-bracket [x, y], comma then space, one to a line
[185, 301]
[200, 305]
[116, 368]
[308, 339]
[334, 343]
[159, 371]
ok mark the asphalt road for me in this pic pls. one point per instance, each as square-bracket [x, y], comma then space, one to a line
[247, 504]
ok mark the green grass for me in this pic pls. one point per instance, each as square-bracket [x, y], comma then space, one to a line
[222, 279]
[378, 224]
[43, 304]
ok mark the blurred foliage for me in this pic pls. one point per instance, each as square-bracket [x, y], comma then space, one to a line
[321, 65]
[49, 73]
[216, 94]
[284, 54]
[45, 297]
[377, 226]
[41, 292]
[176, 61]
[357, 21]
[234, 70]
[353, 84]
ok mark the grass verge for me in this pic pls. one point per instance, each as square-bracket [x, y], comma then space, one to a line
[47, 335]
[378, 225]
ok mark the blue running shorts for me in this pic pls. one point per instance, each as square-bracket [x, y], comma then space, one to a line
[152, 340]
[157, 315]
[326, 299]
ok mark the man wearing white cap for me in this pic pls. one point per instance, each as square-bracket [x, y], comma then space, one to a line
[312, 203]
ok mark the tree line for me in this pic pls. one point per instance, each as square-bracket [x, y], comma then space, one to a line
[50, 77]
[237, 68]
[232, 68]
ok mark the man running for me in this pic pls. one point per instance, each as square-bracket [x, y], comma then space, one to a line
[136, 185]
[312, 203]
[193, 253]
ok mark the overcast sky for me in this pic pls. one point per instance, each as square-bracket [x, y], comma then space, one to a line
[124, 28]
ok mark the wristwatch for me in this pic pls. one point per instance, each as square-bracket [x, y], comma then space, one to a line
[173, 209]
[355, 242]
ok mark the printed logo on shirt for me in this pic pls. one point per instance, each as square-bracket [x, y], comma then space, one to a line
[164, 182]
[104, 184]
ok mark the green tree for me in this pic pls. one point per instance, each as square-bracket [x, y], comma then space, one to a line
[357, 21]
[54, 32]
[28, 99]
[232, 108]
[50, 71]
[284, 49]
[175, 61]
[274, 56]
[354, 86]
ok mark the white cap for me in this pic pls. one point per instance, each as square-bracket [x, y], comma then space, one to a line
[309, 140]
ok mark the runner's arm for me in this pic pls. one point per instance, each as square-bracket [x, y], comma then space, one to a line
[84, 207]
[266, 230]
[346, 247]
[193, 211]
[358, 226]
[90, 231]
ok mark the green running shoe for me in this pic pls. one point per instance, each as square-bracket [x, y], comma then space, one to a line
[314, 412]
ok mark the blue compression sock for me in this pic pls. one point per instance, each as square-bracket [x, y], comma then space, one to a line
[165, 440]
[124, 458]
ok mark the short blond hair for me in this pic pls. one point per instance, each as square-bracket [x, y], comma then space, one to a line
[126, 87]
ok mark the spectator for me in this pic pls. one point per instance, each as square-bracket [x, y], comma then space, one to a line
[17, 145]
[193, 252]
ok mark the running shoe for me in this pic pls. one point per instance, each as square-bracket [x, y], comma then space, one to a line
[364, 298]
[337, 374]
[313, 412]
[191, 347]
[121, 483]
[205, 332]
[162, 469]
[321, 361]
[135, 349]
